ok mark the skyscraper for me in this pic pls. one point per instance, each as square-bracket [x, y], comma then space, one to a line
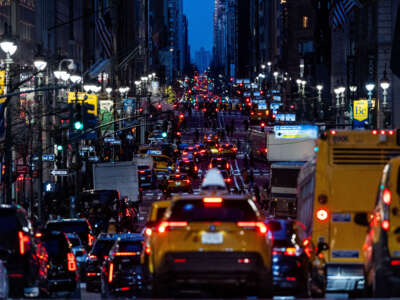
[202, 59]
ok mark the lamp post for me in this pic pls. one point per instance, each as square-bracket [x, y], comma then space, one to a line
[370, 87]
[383, 106]
[9, 48]
[40, 65]
[337, 93]
[353, 90]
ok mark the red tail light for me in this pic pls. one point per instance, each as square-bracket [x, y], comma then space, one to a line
[322, 215]
[92, 274]
[71, 262]
[187, 181]
[23, 242]
[395, 262]
[196, 168]
[386, 196]
[164, 225]
[391, 132]
[383, 132]
[228, 180]
[111, 273]
[244, 260]
[90, 239]
[262, 228]
[227, 165]
[333, 132]
[290, 252]
[147, 250]
[374, 132]
[385, 225]
[142, 172]
[180, 260]
[92, 257]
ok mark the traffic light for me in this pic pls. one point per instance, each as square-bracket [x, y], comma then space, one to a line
[181, 116]
[262, 126]
[89, 119]
[60, 147]
[164, 134]
[159, 106]
[77, 118]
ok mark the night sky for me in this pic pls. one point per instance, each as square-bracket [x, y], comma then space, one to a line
[200, 16]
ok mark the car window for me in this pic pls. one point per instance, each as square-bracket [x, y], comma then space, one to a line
[74, 241]
[102, 247]
[56, 247]
[160, 213]
[9, 225]
[196, 211]
[130, 246]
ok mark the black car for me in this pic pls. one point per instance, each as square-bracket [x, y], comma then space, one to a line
[290, 264]
[145, 176]
[189, 167]
[79, 226]
[95, 258]
[219, 163]
[122, 271]
[63, 270]
[24, 256]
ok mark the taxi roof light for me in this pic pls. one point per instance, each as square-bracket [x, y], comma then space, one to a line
[212, 200]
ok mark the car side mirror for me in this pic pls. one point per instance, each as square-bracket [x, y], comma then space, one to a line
[322, 246]
[361, 219]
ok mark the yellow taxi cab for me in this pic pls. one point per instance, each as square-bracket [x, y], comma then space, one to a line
[162, 163]
[382, 244]
[206, 240]
[179, 183]
[228, 150]
[158, 209]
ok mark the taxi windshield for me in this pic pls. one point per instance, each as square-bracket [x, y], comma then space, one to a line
[228, 211]
[160, 159]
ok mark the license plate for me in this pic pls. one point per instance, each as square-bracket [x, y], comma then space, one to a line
[178, 183]
[212, 238]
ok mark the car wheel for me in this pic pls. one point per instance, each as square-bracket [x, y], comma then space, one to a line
[381, 284]
[105, 293]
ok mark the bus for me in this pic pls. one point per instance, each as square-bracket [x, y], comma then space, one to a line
[336, 193]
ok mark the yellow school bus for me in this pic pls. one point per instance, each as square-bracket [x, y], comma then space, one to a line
[336, 193]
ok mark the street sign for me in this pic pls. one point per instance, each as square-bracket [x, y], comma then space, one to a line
[80, 97]
[22, 169]
[93, 158]
[296, 132]
[59, 172]
[116, 142]
[109, 140]
[49, 187]
[87, 148]
[360, 114]
[48, 157]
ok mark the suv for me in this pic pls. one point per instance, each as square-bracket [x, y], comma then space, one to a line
[145, 176]
[190, 245]
[122, 271]
[79, 226]
[24, 256]
[219, 163]
[63, 270]
[95, 258]
[188, 166]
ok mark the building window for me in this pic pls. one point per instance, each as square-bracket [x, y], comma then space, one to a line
[283, 1]
[305, 22]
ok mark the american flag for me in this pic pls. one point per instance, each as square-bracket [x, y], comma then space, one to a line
[340, 12]
[105, 36]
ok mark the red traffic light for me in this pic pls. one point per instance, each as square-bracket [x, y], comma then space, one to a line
[181, 116]
[178, 133]
[273, 116]
[247, 99]
[262, 124]
[159, 106]
[141, 109]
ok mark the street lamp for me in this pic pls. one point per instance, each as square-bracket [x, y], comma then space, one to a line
[370, 87]
[337, 93]
[109, 90]
[8, 47]
[40, 64]
[385, 85]
[91, 87]
[319, 89]
[75, 78]
[342, 89]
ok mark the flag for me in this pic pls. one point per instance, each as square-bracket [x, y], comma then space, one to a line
[105, 36]
[349, 5]
[338, 15]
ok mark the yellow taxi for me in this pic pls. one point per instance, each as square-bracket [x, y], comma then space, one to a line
[206, 240]
[158, 209]
[179, 183]
[382, 244]
[162, 163]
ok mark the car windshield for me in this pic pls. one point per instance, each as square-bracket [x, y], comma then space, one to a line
[281, 230]
[160, 159]
[77, 227]
[74, 241]
[197, 211]
[102, 247]
[56, 247]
